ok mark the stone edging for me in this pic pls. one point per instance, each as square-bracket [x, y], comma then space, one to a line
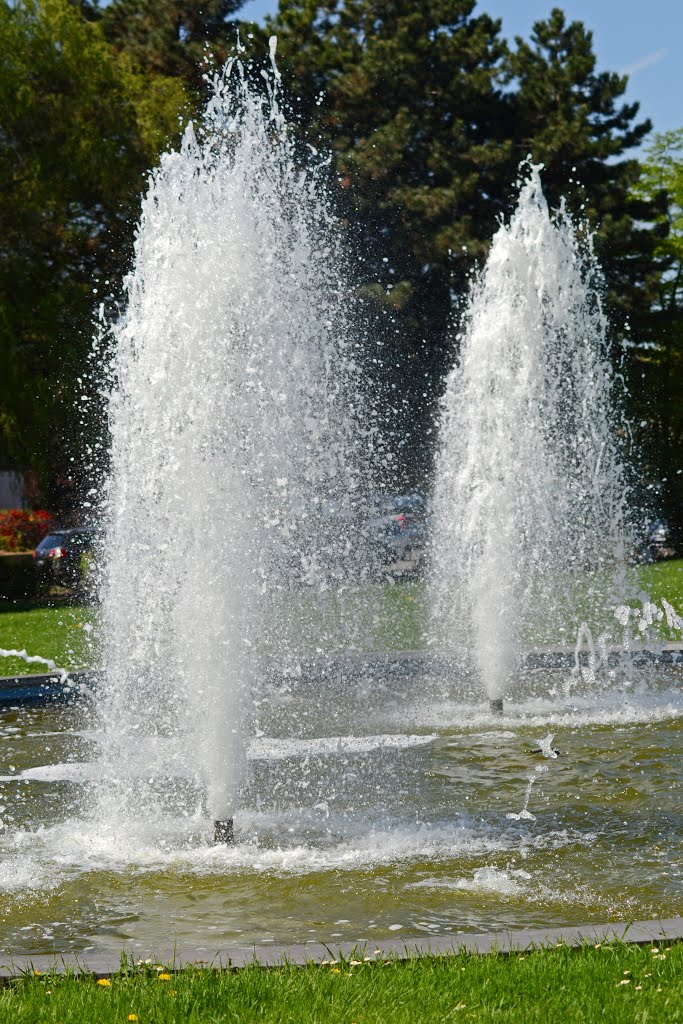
[506, 941]
[49, 687]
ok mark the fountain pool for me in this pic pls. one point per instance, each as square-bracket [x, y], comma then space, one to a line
[389, 807]
[369, 802]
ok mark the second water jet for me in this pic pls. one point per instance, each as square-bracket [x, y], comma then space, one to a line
[530, 489]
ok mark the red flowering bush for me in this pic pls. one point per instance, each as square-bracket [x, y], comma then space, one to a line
[21, 531]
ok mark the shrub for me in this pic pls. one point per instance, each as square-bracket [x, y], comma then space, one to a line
[18, 577]
[21, 530]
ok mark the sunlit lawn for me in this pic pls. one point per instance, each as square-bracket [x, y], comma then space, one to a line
[611, 983]
[61, 634]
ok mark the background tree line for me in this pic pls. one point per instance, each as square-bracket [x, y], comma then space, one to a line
[427, 111]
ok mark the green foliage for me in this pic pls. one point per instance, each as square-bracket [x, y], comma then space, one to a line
[661, 182]
[568, 116]
[170, 37]
[18, 579]
[427, 113]
[657, 367]
[78, 126]
[408, 97]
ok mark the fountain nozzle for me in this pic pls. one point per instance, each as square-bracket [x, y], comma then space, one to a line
[496, 706]
[224, 832]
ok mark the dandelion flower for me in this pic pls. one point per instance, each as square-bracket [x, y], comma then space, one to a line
[132, 1016]
[164, 977]
[104, 982]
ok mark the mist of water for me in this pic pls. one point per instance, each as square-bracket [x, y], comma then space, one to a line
[231, 417]
[530, 489]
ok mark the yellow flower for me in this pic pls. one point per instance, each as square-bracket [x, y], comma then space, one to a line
[104, 982]
[37, 973]
[335, 970]
[132, 1016]
[164, 977]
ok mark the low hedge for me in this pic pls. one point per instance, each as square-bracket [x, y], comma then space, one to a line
[18, 576]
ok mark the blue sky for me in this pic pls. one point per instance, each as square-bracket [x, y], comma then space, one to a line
[638, 38]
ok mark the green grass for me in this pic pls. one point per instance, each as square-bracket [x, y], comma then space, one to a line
[374, 618]
[663, 579]
[612, 983]
[61, 634]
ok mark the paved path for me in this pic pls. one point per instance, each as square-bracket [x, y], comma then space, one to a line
[104, 965]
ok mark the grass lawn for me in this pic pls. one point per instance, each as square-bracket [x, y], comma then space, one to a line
[62, 634]
[376, 617]
[612, 983]
[663, 579]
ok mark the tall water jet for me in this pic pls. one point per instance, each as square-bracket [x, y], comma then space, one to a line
[530, 487]
[231, 425]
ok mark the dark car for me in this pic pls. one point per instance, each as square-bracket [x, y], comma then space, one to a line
[398, 532]
[59, 558]
[660, 542]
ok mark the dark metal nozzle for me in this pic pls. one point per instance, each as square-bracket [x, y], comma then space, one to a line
[224, 832]
[496, 706]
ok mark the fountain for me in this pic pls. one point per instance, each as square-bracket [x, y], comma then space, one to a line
[231, 433]
[530, 484]
[259, 763]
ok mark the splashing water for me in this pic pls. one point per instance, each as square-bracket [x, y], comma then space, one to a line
[525, 814]
[36, 659]
[231, 419]
[530, 488]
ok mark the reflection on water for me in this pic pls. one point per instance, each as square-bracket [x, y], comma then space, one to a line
[378, 808]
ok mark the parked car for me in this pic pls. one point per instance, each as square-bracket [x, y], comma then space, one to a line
[659, 542]
[399, 528]
[60, 556]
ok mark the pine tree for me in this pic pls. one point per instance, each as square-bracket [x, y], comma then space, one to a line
[171, 37]
[407, 95]
[567, 115]
[408, 98]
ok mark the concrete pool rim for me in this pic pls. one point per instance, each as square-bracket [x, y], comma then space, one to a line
[50, 688]
[503, 941]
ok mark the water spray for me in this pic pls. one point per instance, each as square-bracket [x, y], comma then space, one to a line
[230, 364]
[529, 479]
[224, 832]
